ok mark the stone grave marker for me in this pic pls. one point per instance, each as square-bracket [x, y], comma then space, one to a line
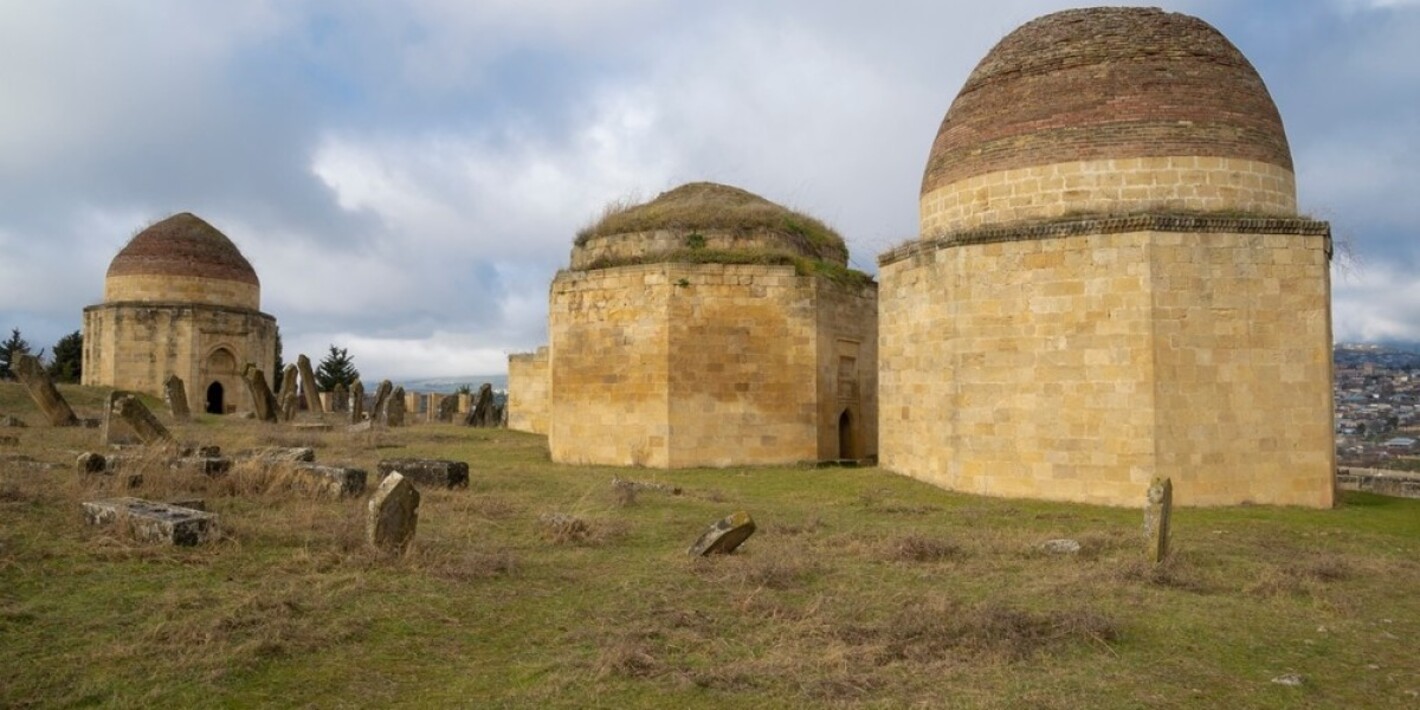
[448, 408]
[723, 536]
[428, 472]
[41, 389]
[290, 380]
[357, 402]
[482, 413]
[394, 408]
[136, 415]
[175, 392]
[290, 404]
[262, 399]
[339, 397]
[394, 514]
[151, 521]
[382, 395]
[339, 481]
[1157, 512]
[308, 384]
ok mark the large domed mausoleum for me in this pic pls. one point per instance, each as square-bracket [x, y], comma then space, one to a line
[179, 299]
[1111, 282]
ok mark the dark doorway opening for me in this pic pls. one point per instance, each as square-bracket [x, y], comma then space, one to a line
[846, 448]
[215, 405]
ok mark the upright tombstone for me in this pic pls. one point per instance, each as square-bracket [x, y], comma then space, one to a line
[290, 405]
[382, 395]
[41, 388]
[1157, 512]
[394, 408]
[432, 401]
[262, 398]
[339, 398]
[482, 413]
[357, 402]
[308, 384]
[394, 514]
[175, 392]
[448, 408]
[290, 381]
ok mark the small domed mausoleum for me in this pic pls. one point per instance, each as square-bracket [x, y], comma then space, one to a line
[1112, 281]
[706, 327]
[180, 299]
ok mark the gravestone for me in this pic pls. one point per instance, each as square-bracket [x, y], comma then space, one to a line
[1157, 512]
[382, 396]
[428, 472]
[152, 521]
[175, 392]
[289, 406]
[448, 408]
[140, 419]
[357, 402]
[308, 384]
[263, 401]
[723, 536]
[299, 454]
[482, 413]
[41, 389]
[339, 481]
[213, 466]
[113, 430]
[394, 514]
[339, 397]
[394, 408]
[290, 382]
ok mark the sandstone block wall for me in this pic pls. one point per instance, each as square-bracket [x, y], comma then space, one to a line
[528, 387]
[1077, 366]
[135, 346]
[167, 288]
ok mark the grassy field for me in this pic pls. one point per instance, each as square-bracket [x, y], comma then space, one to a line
[860, 589]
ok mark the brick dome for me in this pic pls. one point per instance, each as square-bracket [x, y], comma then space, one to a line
[182, 259]
[705, 222]
[1063, 111]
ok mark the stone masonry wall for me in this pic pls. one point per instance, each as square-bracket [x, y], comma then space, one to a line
[1121, 185]
[182, 289]
[847, 368]
[528, 379]
[1079, 367]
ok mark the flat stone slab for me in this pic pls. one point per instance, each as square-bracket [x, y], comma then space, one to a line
[429, 472]
[336, 480]
[152, 521]
[724, 535]
[302, 454]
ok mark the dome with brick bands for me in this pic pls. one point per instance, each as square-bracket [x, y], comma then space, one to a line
[183, 259]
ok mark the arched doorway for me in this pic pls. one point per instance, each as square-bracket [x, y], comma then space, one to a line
[215, 404]
[846, 448]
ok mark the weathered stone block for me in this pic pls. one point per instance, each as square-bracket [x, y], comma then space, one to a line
[138, 419]
[1157, 513]
[152, 521]
[394, 514]
[336, 480]
[90, 463]
[723, 536]
[308, 384]
[176, 395]
[428, 472]
[205, 465]
[41, 389]
[302, 454]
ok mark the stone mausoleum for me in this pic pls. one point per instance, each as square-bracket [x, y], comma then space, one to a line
[707, 327]
[1112, 281]
[180, 299]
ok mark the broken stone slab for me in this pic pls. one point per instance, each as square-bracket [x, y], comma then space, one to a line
[394, 514]
[482, 414]
[152, 521]
[723, 536]
[395, 408]
[561, 527]
[1061, 546]
[448, 408]
[428, 472]
[1157, 511]
[308, 384]
[262, 399]
[189, 503]
[300, 454]
[140, 420]
[336, 480]
[175, 392]
[627, 484]
[41, 389]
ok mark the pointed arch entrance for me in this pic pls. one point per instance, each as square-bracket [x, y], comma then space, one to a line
[847, 448]
[215, 402]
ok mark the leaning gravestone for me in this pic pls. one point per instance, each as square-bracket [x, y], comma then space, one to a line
[308, 385]
[113, 430]
[382, 395]
[140, 419]
[290, 404]
[290, 385]
[154, 522]
[176, 394]
[394, 514]
[482, 413]
[722, 537]
[42, 391]
[1157, 513]
[394, 408]
[448, 407]
[262, 398]
[428, 472]
[339, 397]
[357, 402]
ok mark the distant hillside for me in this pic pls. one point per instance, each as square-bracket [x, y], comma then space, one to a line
[445, 385]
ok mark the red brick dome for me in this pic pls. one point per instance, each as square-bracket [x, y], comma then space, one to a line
[183, 245]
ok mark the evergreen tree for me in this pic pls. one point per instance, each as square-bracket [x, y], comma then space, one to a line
[68, 364]
[280, 366]
[336, 368]
[10, 350]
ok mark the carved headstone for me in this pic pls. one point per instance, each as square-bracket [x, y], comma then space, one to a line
[1157, 512]
[262, 399]
[140, 420]
[382, 396]
[394, 408]
[308, 384]
[339, 398]
[41, 388]
[448, 408]
[113, 430]
[154, 522]
[428, 472]
[290, 404]
[290, 382]
[722, 537]
[482, 413]
[394, 514]
[357, 402]
[175, 392]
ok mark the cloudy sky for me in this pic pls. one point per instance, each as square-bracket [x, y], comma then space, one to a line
[406, 177]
